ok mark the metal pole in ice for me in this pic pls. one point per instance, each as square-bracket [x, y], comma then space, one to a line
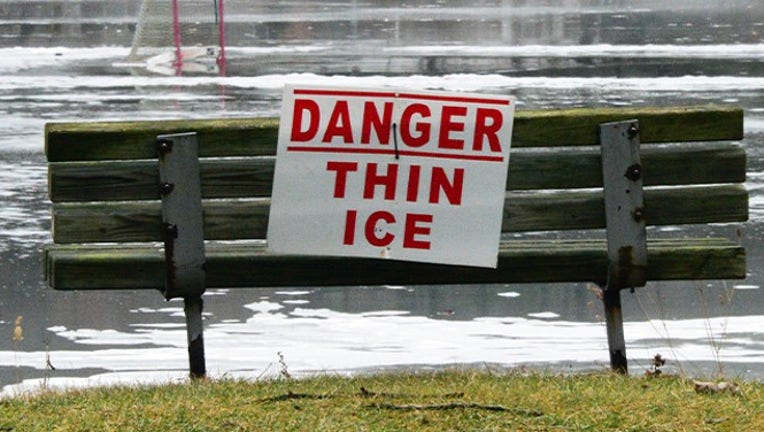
[176, 37]
[221, 31]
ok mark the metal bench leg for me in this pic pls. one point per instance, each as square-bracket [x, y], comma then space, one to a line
[616, 342]
[182, 216]
[625, 220]
[193, 307]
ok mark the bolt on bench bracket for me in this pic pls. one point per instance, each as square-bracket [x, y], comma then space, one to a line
[625, 221]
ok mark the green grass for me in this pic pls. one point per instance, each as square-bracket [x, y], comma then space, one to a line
[442, 401]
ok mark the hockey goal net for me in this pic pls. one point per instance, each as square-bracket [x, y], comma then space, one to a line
[179, 32]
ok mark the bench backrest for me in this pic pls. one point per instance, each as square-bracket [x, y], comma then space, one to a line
[103, 176]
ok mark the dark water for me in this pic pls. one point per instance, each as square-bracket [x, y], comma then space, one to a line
[57, 64]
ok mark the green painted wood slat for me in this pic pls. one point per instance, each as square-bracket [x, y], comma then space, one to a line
[252, 177]
[249, 265]
[253, 137]
[524, 211]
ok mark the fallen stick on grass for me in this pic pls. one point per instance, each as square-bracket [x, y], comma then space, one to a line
[456, 405]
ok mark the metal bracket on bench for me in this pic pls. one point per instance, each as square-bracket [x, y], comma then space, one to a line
[180, 188]
[182, 221]
[625, 221]
[624, 204]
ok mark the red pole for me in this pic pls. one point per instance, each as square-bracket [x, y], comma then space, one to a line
[221, 31]
[176, 37]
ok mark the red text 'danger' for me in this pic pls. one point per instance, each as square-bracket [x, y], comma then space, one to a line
[416, 125]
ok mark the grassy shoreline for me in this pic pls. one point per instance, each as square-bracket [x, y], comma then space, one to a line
[438, 401]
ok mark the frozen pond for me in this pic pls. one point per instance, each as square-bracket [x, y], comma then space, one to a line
[62, 63]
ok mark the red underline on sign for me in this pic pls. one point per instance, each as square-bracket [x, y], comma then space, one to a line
[416, 96]
[480, 158]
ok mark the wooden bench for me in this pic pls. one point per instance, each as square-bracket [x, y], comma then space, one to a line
[663, 167]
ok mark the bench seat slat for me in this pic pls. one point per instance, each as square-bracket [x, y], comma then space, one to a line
[249, 265]
[525, 211]
[528, 170]
[257, 137]
[580, 126]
